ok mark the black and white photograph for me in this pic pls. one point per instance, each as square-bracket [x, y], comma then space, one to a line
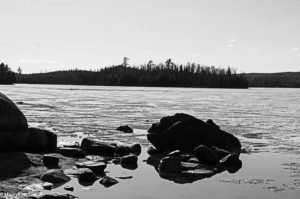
[149, 99]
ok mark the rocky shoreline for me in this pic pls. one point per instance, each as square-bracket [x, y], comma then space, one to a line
[185, 149]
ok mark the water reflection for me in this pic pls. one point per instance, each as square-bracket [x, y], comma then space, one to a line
[191, 172]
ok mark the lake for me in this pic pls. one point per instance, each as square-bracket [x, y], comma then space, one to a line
[266, 120]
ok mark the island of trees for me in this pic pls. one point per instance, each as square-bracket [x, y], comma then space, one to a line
[6, 75]
[166, 74]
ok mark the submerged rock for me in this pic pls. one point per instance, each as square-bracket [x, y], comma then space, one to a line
[55, 176]
[185, 132]
[107, 181]
[125, 129]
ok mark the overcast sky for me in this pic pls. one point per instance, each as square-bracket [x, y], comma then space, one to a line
[250, 35]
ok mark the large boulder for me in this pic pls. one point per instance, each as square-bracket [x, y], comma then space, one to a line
[13, 126]
[40, 141]
[185, 132]
[11, 118]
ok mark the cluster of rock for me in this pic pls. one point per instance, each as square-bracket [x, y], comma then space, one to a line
[17, 141]
[187, 149]
[15, 134]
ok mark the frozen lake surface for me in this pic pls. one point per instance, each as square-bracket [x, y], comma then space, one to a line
[266, 120]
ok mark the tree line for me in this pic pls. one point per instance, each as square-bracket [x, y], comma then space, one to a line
[284, 80]
[6, 75]
[166, 74]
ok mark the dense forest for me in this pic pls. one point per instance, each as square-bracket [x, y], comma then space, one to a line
[165, 74]
[6, 75]
[287, 79]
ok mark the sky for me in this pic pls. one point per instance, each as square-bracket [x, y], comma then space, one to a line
[249, 35]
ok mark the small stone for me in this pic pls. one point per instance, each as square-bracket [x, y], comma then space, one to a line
[129, 159]
[69, 188]
[86, 175]
[107, 181]
[47, 186]
[50, 161]
[125, 129]
[124, 177]
[97, 167]
[170, 165]
[153, 151]
[55, 176]
[136, 148]
[72, 152]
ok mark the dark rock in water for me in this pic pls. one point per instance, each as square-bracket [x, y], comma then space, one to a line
[20, 103]
[86, 175]
[170, 165]
[68, 188]
[136, 148]
[231, 162]
[41, 141]
[125, 129]
[11, 118]
[185, 132]
[72, 152]
[206, 155]
[55, 176]
[123, 150]
[56, 196]
[153, 151]
[93, 147]
[97, 167]
[47, 186]
[107, 181]
[50, 161]
[129, 166]
[12, 164]
[211, 123]
[129, 159]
